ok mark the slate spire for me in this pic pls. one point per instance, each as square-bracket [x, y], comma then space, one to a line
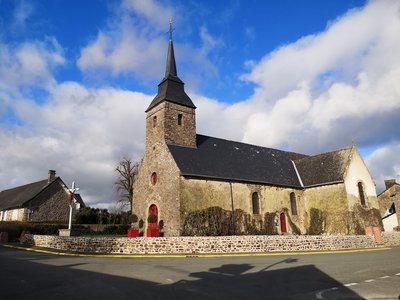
[171, 65]
[171, 88]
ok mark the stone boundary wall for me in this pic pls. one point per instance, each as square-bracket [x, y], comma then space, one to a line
[209, 245]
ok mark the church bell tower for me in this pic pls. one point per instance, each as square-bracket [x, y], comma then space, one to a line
[171, 115]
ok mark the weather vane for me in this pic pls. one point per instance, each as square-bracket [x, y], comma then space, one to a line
[171, 21]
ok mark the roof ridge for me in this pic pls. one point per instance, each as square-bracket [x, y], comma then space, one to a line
[321, 154]
[25, 185]
[243, 143]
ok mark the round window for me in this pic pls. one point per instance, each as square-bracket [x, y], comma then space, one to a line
[154, 178]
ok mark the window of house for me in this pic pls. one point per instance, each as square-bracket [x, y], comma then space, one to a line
[361, 193]
[255, 203]
[153, 178]
[154, 121]
[14, 216]
[180, 116]
[293, 204]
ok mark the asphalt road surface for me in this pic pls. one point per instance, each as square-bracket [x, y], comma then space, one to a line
[358, 275]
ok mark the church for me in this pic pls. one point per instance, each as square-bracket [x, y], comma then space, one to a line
[198, 185]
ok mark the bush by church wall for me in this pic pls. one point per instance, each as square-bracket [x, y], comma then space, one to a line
[209, 245]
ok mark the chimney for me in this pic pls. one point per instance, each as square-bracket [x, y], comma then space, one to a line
[52, 175]
[389, 183]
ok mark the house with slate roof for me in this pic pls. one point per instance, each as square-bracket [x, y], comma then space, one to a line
[201, 185]
[45, 200]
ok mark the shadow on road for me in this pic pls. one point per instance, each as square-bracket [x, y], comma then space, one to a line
[29, 279]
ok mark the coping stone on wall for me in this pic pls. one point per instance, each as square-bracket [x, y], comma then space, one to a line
[209, 245]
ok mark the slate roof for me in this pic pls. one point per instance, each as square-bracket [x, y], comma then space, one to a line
[323, 168]
[222, 159]
[16, 197]
[79, 199]
[217, 158]
[171, 88]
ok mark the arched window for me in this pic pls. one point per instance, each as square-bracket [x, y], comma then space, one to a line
[153, 178]
[154, 121]
[180, 116]
[293, 204]
[361, 193]
[255, 203]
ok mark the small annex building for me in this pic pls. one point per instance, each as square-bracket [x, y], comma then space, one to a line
[389, 201]
[201, 185]
[45, 200]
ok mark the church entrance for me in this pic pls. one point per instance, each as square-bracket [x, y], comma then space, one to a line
[152, 222]
[283, 223]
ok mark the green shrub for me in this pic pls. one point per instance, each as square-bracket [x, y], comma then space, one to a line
[317, 222]
[14, 229]
[133, 218]
[152, 218]
[116, 230]
[47, 229]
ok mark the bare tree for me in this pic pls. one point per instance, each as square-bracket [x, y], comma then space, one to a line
[127, 172]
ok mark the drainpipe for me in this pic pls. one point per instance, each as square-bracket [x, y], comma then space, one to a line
[233, 209]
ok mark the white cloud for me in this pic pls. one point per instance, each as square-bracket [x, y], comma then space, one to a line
[134, 39]
[30, 63]
[23, 10]
[132, 42]
[351, 43]
[385, 164]
[153, 12]
[82, 133]
[331, 87]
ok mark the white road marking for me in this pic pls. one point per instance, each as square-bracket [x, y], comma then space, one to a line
[351, 284]
[320, 296]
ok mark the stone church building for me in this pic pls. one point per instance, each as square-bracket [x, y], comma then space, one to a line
[201, 185]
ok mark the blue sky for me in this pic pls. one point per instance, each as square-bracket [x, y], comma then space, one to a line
[306, 76]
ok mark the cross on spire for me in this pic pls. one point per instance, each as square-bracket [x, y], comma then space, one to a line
[171, 21]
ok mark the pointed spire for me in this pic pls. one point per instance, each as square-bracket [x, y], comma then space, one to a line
[171, 88]
[171, 65]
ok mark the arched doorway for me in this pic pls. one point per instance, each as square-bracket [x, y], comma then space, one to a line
[283, 223]
[153, 210]
[152, 222]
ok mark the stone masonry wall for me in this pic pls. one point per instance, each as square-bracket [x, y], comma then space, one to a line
[51, 205]
[331, 200]
[200, 194]
[162, 125]
[164, 193]
[209, 245]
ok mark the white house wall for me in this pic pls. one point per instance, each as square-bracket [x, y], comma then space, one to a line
[357, 172]
[390, 222]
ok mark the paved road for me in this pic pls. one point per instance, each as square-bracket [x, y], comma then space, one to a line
[360, 275]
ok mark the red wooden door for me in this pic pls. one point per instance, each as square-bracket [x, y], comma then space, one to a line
[283, 223]
[153, 211]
